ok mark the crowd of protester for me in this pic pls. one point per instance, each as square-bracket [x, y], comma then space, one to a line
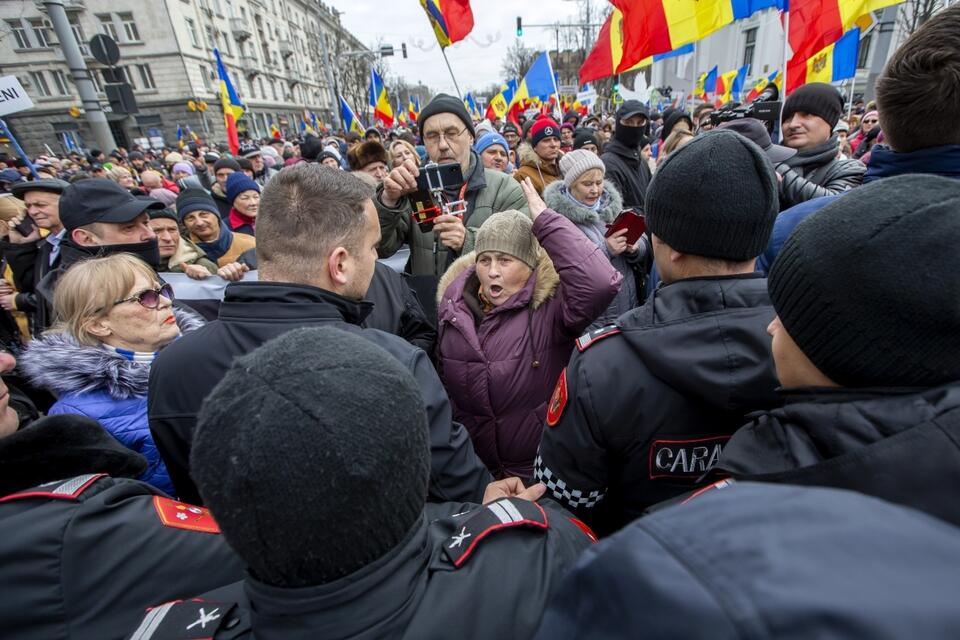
[742, 420]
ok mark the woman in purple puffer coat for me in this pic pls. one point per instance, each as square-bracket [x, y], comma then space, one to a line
[509, 313]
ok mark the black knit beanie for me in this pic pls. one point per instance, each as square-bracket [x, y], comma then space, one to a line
[868, 287]
[226, 163]
[816, 98]
[312, 453]
[671, 120]
[443, 103]
[715, 197]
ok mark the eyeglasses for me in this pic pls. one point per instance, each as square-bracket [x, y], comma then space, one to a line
[433, 137]
[150, 298]
[870, 121]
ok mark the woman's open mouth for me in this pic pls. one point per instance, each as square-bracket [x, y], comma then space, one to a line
[495, 290]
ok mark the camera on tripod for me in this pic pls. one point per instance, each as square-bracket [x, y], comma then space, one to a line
[765, 107]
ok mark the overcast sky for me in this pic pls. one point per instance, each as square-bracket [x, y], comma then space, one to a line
[475, 66]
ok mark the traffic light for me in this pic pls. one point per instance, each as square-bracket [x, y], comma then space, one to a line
[519, 27]
[403, 48]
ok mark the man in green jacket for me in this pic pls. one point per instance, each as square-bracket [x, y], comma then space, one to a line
[448, 134]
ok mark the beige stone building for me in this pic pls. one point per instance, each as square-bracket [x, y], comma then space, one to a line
[271, 49]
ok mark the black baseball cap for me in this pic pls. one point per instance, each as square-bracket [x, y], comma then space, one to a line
[632, 108]
[100, 200]
[754, 131]
[51, 185]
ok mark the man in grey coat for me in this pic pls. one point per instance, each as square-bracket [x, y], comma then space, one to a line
[448, 135]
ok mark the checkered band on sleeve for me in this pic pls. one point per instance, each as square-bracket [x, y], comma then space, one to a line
[573, 498]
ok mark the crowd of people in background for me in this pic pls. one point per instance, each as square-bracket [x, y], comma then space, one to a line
[736, 361]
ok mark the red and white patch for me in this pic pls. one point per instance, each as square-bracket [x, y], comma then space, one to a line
[180, 515]
[558, 401]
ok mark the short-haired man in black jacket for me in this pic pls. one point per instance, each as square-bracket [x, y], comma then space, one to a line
[317, 238]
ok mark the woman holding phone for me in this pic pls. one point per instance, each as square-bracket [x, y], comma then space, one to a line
[592, 203]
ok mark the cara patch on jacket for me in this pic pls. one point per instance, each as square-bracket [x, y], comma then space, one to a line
[181, 515]
[685, 459]
[558, 401]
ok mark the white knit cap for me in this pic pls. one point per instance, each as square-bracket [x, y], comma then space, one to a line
[576, 163]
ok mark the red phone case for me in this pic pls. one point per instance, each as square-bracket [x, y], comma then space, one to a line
[628, 219]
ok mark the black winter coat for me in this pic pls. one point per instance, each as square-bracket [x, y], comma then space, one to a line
[899, 445]
[475, 575]
[83, 553]
[253, 313]
[30, 263]
[816, 173]
[628, 172]
[645, 406]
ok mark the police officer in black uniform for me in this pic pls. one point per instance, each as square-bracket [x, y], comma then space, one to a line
[83, 546]
[646, 405]
[313, 454]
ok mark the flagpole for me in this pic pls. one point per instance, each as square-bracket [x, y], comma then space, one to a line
[786, 50]
[693, 84]
[553, 76]
[853, 82]
[443, 51]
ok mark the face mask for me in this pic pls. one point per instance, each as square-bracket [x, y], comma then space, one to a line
[148, 251]
[632, 137]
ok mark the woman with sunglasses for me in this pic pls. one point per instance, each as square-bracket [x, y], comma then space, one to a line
[113, 318]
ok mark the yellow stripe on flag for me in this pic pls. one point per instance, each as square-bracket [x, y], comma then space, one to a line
[820, 66]
[691, 20]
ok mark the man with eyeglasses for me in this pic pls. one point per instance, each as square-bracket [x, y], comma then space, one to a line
[809, 115]
[448, 135]
[31, 257]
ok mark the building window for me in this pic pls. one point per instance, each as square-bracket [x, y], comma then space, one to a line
[230, 12]
[253, 88]
[95, 78]
[192, 32]
[60, 83]
[210, 39]
[225, 43]
[41, 32]
[128, 76]
[105, 25]
[749, 45]
[40, 83]
[216, 7]
[273, 89]
[864, 56]
[129, 27]
[206, 75]
[263, 91]
[146, 76]
[80, 37]
[19, 34]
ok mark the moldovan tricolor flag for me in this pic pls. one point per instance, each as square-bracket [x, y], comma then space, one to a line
[761, 84]
[706, 83]
[452, 20]
[604, 58]
[658, 26]
[833, 63]
[232, 107]
[350, 119]
[816, 24]
[382, 110]
[413, 109]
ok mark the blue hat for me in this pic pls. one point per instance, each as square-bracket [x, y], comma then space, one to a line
[488, 139]
[237, 183]
[10, 175]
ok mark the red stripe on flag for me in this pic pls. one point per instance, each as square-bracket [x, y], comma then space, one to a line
[233, 138]
[645, 31]
[814, 24]
[599, 64]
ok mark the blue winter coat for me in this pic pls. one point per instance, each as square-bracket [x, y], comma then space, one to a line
[95, 382]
